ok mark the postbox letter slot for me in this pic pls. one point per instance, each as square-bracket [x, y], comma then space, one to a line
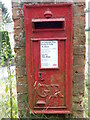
[49, 25]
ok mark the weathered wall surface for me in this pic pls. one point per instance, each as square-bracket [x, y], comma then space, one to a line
[0, 15]
[78, 56]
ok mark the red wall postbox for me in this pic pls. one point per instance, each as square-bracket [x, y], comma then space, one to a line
[48, 37]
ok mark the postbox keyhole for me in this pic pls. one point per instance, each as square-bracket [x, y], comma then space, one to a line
[40, 75]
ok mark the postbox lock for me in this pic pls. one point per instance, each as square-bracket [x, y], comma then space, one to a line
[48, 14]
[41, 76]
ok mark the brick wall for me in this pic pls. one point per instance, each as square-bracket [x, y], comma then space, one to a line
[78, 57]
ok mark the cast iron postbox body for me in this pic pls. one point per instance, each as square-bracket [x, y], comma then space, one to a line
[48, 37]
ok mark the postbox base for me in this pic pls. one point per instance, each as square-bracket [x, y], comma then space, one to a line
[51, 112]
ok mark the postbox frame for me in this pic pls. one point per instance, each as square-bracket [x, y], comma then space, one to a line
[29, 63]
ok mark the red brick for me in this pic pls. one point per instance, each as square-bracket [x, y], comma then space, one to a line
[18, 23]
[20, 51]
[78, 98]
[78, 78]
[20, 61]
[20, 71]
[79, 30]
[19, 42]
[78, 106]
[79, 49]
[79, 20]
[18, 31]
[78, 89]
[79, 69]
[79, 40]
[79, 9]
[22, 80]
[22, 88]
[24, 97]
[78, 86]
[17, 12]
[78, 60]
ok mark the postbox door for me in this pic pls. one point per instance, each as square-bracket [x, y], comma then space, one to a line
[49, 73]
